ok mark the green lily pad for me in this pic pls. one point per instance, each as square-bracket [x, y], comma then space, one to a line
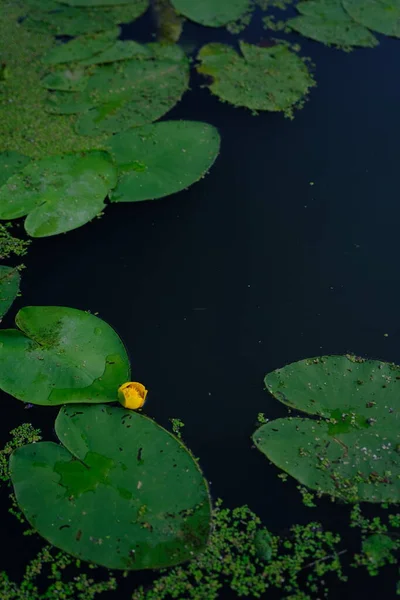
[66, 80]
[94, 3]
[61, 355]
[274, 79]
[58, 193]
[160, 159]
[69, 21]
[379, 15]
[352, 451]
[326, 21]
[128, 94]
[10, 163]
[120, 50]
[81, 48]
[120, 492]
[9, 287]
[211, 12]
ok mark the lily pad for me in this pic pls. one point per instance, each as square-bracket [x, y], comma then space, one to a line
[92, 3]
[58, 193]
[81, 47]
[128, 94]
[160, 159]
[120, 50]
[211, 12]
[66, 80]
[69, 21]
[379, 15]
[10, 163]
[9, 287]
[352, 451]
[273, 79]
[61, 355]
[120, 492]
[326, 21]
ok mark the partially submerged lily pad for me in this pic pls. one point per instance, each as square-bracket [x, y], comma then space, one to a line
[213, 13]
[160, 159]
[81, 47]
[9, 287]
[10, 163]
[66, 80]
[379, 15]
[58, 193]
[352, 452]
[124, 493]
[326, 21]
[274, 79]
[129, 93]
[120, 50]
[61, 355]
[68, 21]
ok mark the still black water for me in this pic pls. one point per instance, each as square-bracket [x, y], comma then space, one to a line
[251, 268]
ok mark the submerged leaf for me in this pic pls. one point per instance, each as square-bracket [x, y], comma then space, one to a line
[352, 452]
[61, 355]
[274, 79]
[58, 193]
[81, 47]
[160, 159]
[326, 21]
[10, 163]
[124, 493]
[213, 13]
[9, 287]
[379, 15]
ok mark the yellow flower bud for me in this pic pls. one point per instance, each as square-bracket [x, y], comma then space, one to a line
[132, 395]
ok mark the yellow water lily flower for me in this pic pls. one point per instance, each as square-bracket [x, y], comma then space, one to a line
[132, 395]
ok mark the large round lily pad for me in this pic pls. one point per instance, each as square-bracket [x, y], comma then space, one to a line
[379, 15]
[9, 287]
[352, 452]
[120, 492]
[129, 93]
[11, 162]
[58, 193]
[61, 355]
[160, 159]
[326, 21]
[274, 79]
[213, 13]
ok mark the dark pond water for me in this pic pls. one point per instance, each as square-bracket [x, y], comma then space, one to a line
[249, 269]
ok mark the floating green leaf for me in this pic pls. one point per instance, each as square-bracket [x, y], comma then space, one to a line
[211, 12]
[92, 3]
[274, 79]
[352, 452]
[69, 21]
[77, 20]
[81, 47]
[120, 50]
[160, 159]
[61, 355]
[326, 21]
[9, 287]
[66, 80]
[121, 492]
[128, 94]
[379, 15]
[10, 163]
[58, 193]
